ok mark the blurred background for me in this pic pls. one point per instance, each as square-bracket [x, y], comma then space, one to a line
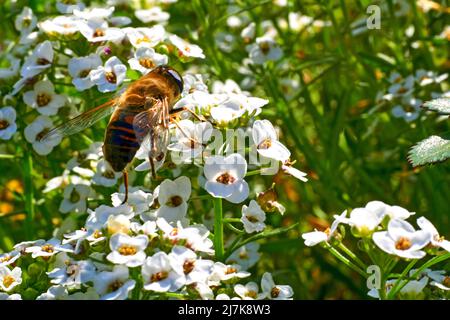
[336, 94]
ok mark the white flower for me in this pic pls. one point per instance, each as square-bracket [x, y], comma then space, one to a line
[315, 237]
[10, 278]
[247, 292]
[224, 296]
[436, 239]
[48, 248]
[440, 280]
[172, 197]
[290, 170]
[78, 236]
[227, 111]
[105, 175]
[246, 256]
[9, 258]
[408, 110]
[194, 269]
[146, 37]
[273, 291]
[118, 224]
[265, 49]
[253, 217]
[155, 14]
[248, 33]
[99, 31]
[393, 212]
[190, 139]
[204, 290]
[400, 88]
[160, 275]
[114, 285]
[7, 123]
[36, 131]
[425, 78]
[127, 250]
[75, 196]
[200, 101]
[26, 21]
[43, 98]
[192, 83]
[138, 199]
[225, 177]
[109, 77]
[27, 244]
[63, 7]
[60, 25]
[97, 219]
[12, 70]
[266, 139]
[402, 240]
[79, 69]
[364, 221]
[146, 59]
[38, 61]
[94, 14]
[5, 296]
[186, 49]
[71, 273]
[222, 272]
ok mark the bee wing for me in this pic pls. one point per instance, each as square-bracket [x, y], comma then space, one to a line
[82, 121]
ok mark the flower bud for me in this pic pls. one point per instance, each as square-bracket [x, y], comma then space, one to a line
[267, 200]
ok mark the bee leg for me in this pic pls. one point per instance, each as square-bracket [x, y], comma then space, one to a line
[125, 181]
[152, 166]
[196, 116]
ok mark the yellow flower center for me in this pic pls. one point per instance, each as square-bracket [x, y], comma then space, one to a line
[265, 144]
[251, 294]
[110, 77]
[115, 286]
[48, 248]
[230, 270]
[225, 178]
[97, 234]
[8, 281]
[43, 99]
[403, 244]
[126, 250]
[265, 47]
[146, 63]
[6, 258]
[275, 292]
[143, 39]
[109, 174]
[243, 255]
[159, 276]
[188, 266]
[98, 33]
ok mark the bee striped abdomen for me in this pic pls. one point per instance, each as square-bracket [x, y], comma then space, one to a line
[121, 143]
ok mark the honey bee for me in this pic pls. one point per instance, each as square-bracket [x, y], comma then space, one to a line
[140, 115]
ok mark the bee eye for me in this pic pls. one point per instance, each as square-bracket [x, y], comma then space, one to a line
[177, 78]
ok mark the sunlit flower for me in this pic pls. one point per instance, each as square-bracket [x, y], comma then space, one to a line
[266, 139]
[36, 130]
[248, 33]
[64, 6]
[402, 240]
[194, 268]
[222, 272]
[80, 68]
[265, 49]
[60, 25]
[109, 77]
[192, 83]
[315, 237]
[97, 219]
[118, 224]
[38, 61]
[186, 49]
[94, 13]
[75, 196]
[43, 98]
[146, 59]
[246, 256]
[10, 278]
[436, 239]
[114, 285]
[127, 250]
[138, 199]
[275, 292]
[190, 139]
[154, 14]
[26, 21]
[248, 291]
[173, 196]
[9, 258]
[71, 273]
[48, 248]
[146, 37]
[253, 217]
[225, 177]
[99, 31]
[224, 296]
[364, 221]
[393, 212]
[7, 123]
[160, 275]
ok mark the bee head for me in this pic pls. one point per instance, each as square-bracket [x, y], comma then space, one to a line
[171, 74]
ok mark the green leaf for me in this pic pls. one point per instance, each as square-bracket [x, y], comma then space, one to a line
[432, 149]
[441, 105]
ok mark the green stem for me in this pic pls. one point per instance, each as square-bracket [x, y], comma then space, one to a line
[233, 228]
[218, 229]
[350, 253]
[346, 261]
[399, 284]
[29, 195]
